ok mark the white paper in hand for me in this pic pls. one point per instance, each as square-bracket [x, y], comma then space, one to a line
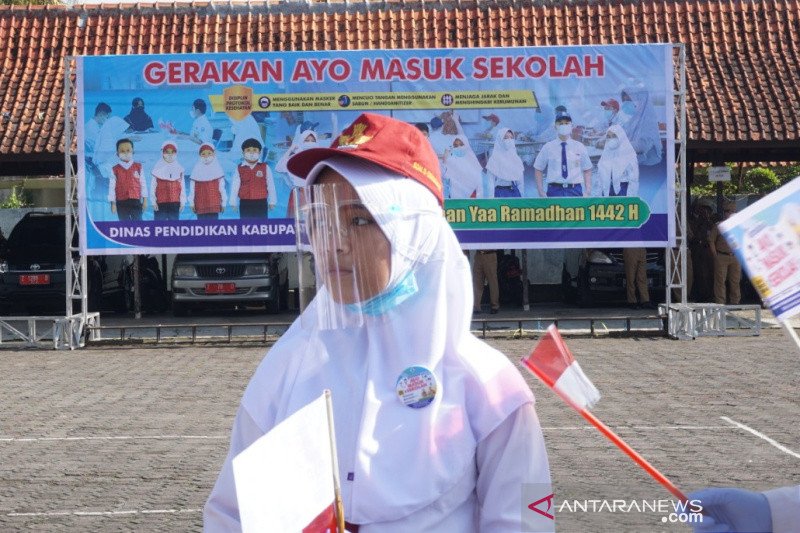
[284, 480]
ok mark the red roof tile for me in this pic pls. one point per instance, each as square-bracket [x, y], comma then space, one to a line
[742, 57]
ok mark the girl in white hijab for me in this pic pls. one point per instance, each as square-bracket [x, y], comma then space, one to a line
[463, 170]
[505, 166]
[641, 125]
[456, 457]
[167, 193]
[207, 185]
[302, 140]
[618, 168]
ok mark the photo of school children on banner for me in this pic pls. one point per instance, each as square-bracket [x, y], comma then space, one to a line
[550, 146]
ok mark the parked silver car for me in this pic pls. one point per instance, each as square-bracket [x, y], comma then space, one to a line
[212, 281]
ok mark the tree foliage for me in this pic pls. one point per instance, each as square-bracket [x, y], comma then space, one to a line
[15, 200]
[754, 180]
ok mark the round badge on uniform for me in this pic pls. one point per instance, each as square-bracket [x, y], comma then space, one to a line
[416, 387]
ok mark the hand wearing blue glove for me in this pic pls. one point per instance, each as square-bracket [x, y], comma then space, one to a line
[733, 511]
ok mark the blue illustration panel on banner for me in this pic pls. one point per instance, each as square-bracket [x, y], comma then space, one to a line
[172, 146]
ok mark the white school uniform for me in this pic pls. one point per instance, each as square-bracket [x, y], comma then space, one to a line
[505, 167]
[457, 464]
[202, 130]
[549, 159]
[618, 165]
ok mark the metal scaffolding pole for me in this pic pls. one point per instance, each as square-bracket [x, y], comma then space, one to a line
[74, 262]
[676, 264]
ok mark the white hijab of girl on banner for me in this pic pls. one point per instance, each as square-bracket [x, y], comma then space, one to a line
[463, 170]
[618, 168]
[504, 165]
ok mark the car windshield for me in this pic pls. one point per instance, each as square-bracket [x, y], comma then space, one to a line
[37, 239]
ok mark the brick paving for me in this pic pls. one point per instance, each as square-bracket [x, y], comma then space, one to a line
[149, 428]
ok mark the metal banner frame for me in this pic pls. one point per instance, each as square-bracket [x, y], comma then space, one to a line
[68, 331]
[676, 257]
[76, 272]
[74, 261]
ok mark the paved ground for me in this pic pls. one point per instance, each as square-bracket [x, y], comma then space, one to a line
[131, 439]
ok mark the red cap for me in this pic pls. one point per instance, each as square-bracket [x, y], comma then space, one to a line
[206, 146]
[612, 103]
[385, 141]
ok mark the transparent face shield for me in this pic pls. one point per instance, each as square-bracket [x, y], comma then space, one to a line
[344, 258]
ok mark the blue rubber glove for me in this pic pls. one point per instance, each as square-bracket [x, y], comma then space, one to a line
[733, 511]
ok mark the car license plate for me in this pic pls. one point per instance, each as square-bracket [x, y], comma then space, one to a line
[34, 279]
[220, 288]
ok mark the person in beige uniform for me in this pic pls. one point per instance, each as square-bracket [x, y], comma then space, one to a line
[635, 261]
[485, 267]
[726, 267]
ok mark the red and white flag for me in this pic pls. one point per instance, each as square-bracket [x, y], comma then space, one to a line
[552, 362]
[285, 479]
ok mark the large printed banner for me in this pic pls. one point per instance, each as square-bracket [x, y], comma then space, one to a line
[547, 147]
[766, 240]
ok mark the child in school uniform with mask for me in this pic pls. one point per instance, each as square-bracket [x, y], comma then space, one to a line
[127, 190]
[252, 185]
[207, 187]
[167, 192]
[393, 307]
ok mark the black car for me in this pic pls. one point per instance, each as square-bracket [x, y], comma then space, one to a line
[33, 275]
[601, 277]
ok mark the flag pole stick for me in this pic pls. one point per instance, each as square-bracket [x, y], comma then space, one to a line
[337, 490]
[790, 330]
[613, 437]
[638, 459]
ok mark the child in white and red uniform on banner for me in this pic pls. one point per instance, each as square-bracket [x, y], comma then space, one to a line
[207, 188]
[252, 184]
[436, 431]
[127, 189]
[167, 193]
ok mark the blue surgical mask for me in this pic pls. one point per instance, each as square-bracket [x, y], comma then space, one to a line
[629, 108]
[459, 152]
[609, 114]
[388, 299]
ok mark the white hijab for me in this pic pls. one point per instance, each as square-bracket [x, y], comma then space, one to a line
[464, 173]
[403, 458]
[619, 164]
[209, 172]
[299, 144]
[168, 171]
[504, 162]
[642, 127]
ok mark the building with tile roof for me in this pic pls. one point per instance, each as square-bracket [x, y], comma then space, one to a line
[742, 56]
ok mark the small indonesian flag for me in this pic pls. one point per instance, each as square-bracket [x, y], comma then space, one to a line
[552, 362]
[284, 480]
